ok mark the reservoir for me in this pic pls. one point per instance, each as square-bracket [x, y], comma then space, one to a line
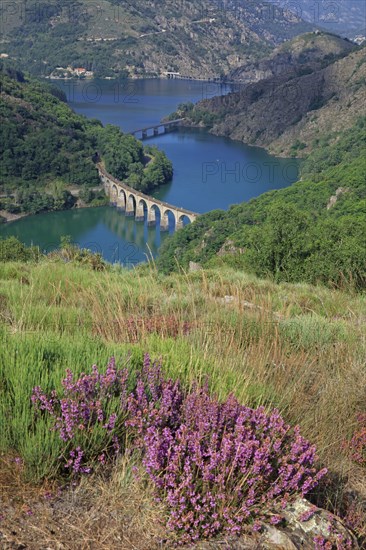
[210, 172]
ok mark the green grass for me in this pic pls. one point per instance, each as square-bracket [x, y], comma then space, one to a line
[292, 346]
[295, 347]
[313, 331]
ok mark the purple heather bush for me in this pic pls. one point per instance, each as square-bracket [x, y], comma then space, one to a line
[219, 467]
[88, 416]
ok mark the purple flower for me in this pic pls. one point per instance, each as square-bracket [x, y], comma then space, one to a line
[275, 520]
[308, 514]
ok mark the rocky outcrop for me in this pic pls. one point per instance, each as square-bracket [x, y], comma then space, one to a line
[303, 54]
[279, 112]
[229, 248]
[334, 198]
[304, 526]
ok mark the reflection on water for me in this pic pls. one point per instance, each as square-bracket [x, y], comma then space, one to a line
[134, 104]
[105, 230]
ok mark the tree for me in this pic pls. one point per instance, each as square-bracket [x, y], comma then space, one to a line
[280, 246]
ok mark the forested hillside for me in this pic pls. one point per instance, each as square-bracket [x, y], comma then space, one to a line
[313, 231]
[115, 37]
[46, 149]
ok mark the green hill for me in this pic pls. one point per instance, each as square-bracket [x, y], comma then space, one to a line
[313, 231]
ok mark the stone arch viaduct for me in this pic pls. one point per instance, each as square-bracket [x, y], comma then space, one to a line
[134, 203]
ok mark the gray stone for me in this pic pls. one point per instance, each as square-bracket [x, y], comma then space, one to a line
[293, 535]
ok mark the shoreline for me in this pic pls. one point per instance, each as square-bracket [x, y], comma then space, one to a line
[10, 218]
[210, 130]
[209, 80]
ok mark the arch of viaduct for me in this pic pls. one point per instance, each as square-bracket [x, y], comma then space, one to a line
[134, 203]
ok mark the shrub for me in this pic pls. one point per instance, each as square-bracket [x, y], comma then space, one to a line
[217, 466]
[13, 250]
[69, 252]
[87, 416]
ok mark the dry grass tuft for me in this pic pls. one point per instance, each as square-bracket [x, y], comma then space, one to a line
[101, 513]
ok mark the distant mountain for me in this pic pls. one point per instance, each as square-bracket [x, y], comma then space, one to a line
[289, 112]
[303, 54]
[341, 16]
[202, 39]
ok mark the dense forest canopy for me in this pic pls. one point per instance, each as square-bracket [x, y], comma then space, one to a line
[46, 148]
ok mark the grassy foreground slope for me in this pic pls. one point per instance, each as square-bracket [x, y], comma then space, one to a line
[295, 347]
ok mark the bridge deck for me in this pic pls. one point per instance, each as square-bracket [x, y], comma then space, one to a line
[168, 123]
[142, 195]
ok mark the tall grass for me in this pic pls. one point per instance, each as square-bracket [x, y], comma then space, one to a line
[299, 348]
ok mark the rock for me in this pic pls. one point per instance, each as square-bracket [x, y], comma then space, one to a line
[276, 539]
[229, 248]
[319, 523]
[296, 533]
[333, 199]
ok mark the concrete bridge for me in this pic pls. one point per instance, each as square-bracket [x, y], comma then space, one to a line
[134, 203]
[179, 76]
[157, 130]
